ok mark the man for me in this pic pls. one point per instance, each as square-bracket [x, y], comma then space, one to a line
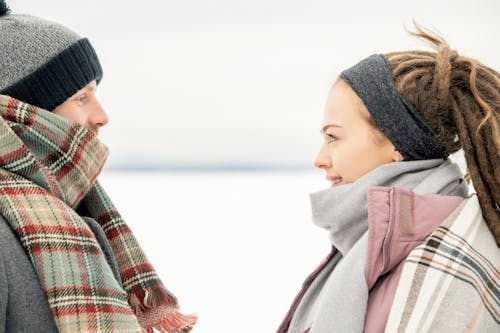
[68, 262]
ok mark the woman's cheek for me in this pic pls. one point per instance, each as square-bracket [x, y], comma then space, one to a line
[340, 161]
[350, 163]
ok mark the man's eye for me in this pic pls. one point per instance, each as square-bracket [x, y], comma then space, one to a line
[82, 99]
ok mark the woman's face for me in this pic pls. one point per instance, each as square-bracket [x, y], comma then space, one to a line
[351, 146]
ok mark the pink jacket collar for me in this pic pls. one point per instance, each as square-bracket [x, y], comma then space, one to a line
[398, 221]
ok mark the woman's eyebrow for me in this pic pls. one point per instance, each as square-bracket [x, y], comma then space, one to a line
[328, 126]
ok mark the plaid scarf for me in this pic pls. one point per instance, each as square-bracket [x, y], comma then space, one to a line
[450, 283]
[48, 168]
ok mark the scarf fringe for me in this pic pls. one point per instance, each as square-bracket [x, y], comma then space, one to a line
[157, 308]
[174, 323]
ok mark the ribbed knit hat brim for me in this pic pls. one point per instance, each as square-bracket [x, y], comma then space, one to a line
[66, 73]
[43, 62]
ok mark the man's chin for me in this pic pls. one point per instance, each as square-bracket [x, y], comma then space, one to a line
[94, 130]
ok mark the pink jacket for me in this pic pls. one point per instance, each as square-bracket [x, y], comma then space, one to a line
[397, 224]
[392, 234]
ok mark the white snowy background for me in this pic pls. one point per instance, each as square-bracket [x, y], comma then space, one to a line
[215, 107]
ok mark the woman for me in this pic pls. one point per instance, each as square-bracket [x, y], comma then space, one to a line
[412, 251]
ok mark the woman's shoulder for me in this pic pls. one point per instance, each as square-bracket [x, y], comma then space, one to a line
[457, 261]
[466, 228]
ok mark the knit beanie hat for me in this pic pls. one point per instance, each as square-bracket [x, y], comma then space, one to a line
[41, 62]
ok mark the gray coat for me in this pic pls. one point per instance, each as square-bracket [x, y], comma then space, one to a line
[23, 305]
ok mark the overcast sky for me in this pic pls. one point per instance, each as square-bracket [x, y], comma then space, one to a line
[210, 84]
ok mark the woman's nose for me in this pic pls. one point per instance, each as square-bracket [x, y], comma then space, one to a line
[322, 160]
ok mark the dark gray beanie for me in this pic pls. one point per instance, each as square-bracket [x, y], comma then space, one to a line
[373, 82]
[41, 62]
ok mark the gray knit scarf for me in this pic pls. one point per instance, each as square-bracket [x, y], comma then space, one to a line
[337, 299]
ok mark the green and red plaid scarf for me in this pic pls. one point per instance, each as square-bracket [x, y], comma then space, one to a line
[48, 168]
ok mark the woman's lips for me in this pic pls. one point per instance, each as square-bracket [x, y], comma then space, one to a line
[336, 181]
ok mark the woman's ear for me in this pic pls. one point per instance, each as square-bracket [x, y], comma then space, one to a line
[396, 156]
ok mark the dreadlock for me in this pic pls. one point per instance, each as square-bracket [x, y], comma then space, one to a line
[460, 99]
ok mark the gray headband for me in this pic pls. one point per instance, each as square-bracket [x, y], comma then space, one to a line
[373, 81]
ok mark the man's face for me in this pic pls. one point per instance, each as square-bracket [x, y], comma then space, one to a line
[84, 108]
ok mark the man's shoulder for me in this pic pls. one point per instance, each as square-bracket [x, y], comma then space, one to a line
[11, 250]
[7, 237]
[27, 309]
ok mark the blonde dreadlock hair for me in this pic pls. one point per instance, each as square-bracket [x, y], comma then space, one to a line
[460, 99]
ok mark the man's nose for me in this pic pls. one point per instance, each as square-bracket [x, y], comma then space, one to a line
[98, 118]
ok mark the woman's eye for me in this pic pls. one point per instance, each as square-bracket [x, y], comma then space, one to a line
[331, 138]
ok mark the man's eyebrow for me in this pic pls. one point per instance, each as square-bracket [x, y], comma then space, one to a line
[328, 126]
[88, 89]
